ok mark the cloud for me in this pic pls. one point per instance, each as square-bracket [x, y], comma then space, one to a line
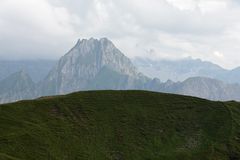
[159, 28]
[218, 54]
[201, 5]
[33, 28]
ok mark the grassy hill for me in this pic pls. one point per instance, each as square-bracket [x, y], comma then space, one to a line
[120, 125]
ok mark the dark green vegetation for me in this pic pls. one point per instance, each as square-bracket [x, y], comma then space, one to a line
[120, 125]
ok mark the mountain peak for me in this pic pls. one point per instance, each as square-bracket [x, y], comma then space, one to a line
[93, 40]
[20, 75]
[84, 61]
[17, 86]
[23, 73]
[104, 39]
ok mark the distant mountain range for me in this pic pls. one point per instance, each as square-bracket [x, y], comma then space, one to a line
[180, 70]
[16, 87]
[98, 65]
[37, 69]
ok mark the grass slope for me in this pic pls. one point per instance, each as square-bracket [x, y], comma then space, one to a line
[120, 125]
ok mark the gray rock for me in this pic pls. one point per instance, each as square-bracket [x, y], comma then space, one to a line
[83, 63]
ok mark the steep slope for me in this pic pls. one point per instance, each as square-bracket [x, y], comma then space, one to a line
[82, 63]
[232, 76]
[120, 125]
[109, 79]
[98, 65]
[17, 86]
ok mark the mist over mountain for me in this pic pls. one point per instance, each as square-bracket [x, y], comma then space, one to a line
[180, 70]
[98, 65]
[16, 87]
[207, 88]
[119, 80]
[37, 69]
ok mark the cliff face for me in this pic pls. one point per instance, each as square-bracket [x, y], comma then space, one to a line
[83, 63]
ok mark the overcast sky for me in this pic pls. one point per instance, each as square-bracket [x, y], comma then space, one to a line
[172, 29]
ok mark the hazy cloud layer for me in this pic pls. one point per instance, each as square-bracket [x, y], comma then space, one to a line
[207, 29]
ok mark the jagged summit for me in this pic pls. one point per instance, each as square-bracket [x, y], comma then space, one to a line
[101, 48]
[84, 62]
[91, 41]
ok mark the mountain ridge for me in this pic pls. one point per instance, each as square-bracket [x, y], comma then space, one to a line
[17, 86]
[98, 65]
[180, 70]
[37, 69]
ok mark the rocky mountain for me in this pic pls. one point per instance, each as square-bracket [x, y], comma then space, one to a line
[37, 69]
[91, 64]
[98, 65]
[107, 79]
[16, 87]
[180, 70]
